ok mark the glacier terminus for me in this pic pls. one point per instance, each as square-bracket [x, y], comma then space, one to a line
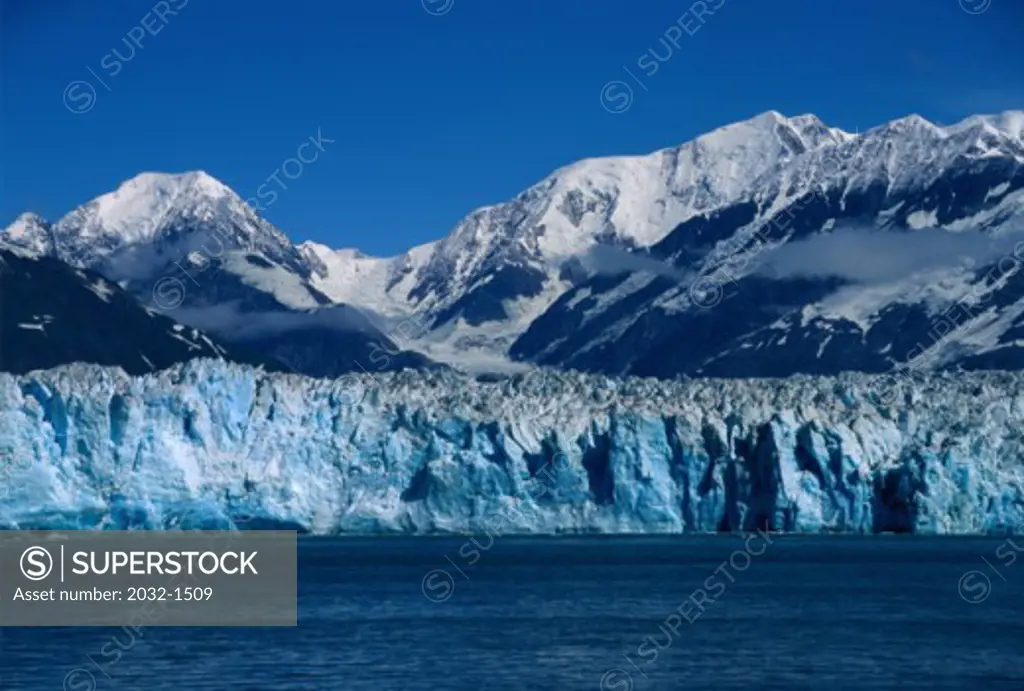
[210, 445]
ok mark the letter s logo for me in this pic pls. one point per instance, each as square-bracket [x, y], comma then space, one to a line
[438, 580]
[36, 563]
[616, 97]
[79, 97]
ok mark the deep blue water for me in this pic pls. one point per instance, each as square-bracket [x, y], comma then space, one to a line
[569, 613]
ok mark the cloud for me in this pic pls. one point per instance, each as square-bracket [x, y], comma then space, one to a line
[602, 259]
[858, 254]
[871, 256]
[228, 321]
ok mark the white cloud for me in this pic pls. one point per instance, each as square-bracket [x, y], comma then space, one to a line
[871, 256]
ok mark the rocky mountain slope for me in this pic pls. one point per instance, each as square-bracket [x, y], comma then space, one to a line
[52, 314]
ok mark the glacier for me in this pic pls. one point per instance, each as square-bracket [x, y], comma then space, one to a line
[208, 444]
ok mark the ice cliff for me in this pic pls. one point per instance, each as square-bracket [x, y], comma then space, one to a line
[210, 444]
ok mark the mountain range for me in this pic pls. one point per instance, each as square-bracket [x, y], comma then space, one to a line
[770, 247]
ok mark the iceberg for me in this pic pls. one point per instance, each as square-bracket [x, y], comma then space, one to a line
[211, 445]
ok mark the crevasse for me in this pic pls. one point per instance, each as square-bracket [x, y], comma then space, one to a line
[213, 445]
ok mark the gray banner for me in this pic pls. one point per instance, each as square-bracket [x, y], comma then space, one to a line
[148, 578]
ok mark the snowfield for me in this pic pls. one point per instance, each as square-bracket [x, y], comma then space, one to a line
[214, 445]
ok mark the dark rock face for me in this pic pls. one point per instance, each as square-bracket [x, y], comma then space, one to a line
[325, 353]
[52, 314]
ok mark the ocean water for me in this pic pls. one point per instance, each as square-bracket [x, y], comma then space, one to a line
[589, 613]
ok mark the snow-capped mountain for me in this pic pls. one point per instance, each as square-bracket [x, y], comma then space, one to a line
[153, 218]
[189, 246]
[902, 244]
[595, 266]
[52, 314]
[501, 267]
[706, 257]
[32, 233]
[158, 232]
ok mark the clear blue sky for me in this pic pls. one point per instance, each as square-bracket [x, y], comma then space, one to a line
[433, 116]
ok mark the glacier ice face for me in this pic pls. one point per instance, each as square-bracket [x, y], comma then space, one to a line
[209, 444]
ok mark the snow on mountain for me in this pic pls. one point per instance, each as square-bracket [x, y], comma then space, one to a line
[523, 278]
[907, 153]
[30, 232]
[136, 211]
[188, 246]
[211, 445]
[712, 309]
[152, 221]
[633, 200]
[483, 284]
[373, 283]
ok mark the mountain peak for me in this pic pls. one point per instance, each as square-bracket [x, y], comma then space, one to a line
[770, 119]
[149, 206]
[161, 214]
[29, 233]
[25, 225]
[153, 182]
[138, 203]
[1009, 123]
[762, 122]
[913, 122]
[772, 133]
